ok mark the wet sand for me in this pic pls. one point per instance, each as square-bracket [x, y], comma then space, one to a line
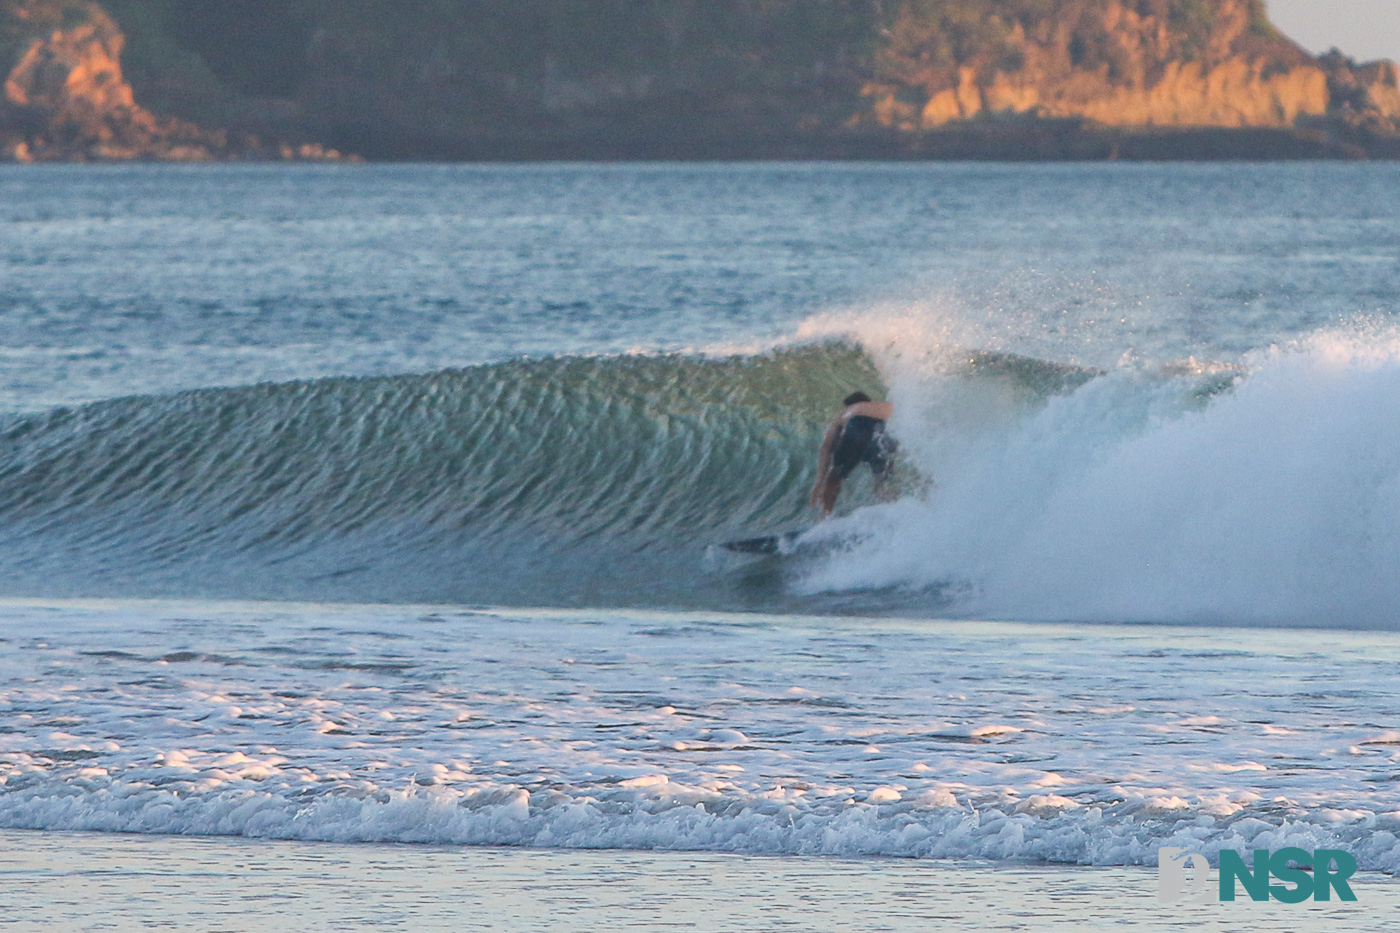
[96, 881]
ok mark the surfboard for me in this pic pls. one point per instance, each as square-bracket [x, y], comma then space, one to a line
[768, 544]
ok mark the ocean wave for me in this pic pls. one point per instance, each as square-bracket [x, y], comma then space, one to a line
[556, 480]
[656, 814]
[1179, 491]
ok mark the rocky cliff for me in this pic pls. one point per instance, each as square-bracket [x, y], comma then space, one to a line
[65, 98]
[1123, 63]
[705, 78]
[1115, 62]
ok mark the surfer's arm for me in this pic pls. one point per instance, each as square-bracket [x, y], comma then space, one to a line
[824, 460]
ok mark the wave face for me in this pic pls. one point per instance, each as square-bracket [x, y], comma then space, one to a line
[1263, 492]
[571, 481]
[557, 481]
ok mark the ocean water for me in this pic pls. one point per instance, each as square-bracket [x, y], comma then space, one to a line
[381, 505]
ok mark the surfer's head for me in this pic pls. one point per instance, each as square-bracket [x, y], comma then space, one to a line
[855, 398]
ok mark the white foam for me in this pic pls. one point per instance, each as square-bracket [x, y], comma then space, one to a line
[656, 730]
[1132, 497]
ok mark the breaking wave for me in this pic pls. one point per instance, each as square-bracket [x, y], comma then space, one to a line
[1263, 493]
[554, 481]
[1267, 491]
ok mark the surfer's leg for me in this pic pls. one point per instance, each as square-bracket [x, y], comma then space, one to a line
[844, 459]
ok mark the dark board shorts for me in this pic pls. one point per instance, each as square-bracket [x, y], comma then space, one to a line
[863, 440]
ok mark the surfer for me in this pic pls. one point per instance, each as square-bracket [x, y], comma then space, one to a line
[856, 436]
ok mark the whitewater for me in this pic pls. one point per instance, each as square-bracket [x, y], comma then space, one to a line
[778, 735]
[382, 505]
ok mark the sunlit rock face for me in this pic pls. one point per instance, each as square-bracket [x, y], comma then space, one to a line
[1235, 93]
[74, 69]
[63, 82]
[65, 98]
[1129, 63]
[1364, 94]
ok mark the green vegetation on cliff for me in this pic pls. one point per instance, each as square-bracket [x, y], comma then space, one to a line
[943, 34]
[273, 48]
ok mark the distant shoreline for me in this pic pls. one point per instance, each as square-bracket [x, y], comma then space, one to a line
[843, 80]
[980, 141]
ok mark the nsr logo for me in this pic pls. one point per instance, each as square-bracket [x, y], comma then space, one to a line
[1287, 865]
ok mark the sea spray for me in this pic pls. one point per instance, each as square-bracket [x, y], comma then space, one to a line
[1168, 494]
